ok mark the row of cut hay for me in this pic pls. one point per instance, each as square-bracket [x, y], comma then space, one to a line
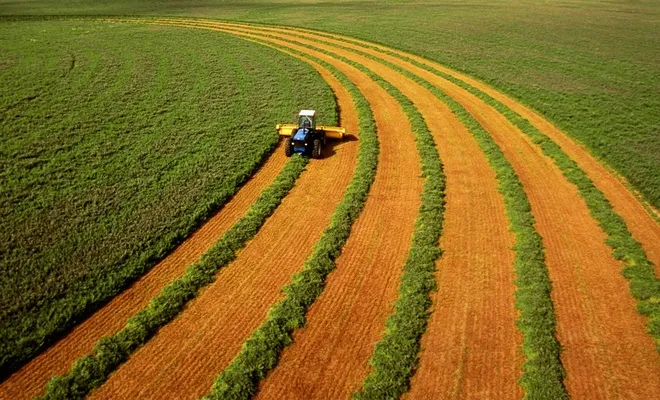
[395, 356]
[644, 284]
[639, 271]
[543, 373]
[261, 351]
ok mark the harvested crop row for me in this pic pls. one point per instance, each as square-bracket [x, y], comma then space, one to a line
[225, 313]
[638, 218]
[30, 380]
[613, 333]
[262, 350]
[644, 285]
[430, 106]
[542, 370]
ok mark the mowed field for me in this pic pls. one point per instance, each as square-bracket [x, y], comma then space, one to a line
[458, 243]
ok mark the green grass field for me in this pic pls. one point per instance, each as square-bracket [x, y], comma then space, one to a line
[118, 140]
[114, 151]
[590, 67]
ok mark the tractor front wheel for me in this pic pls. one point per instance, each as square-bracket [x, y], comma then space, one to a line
[316, 151]
[288, 147]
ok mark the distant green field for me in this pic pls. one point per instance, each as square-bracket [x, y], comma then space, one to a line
[114, 150]
[591, 67]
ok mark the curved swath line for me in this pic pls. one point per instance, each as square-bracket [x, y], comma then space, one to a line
[327, 351]
[30, 380]
[212, 328]
[581, 267]
[642, 225]
[636, 213]
[585, 248]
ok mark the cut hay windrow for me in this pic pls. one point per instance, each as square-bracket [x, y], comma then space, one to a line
[644, 285]
[543, 372]
[93, 369]
[396, 355]
[262, 350]
[639, 270]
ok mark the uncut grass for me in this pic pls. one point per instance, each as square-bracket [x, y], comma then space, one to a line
[113, 151]
[590, 67]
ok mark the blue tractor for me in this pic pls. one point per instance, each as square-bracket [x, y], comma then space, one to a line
[307, 138]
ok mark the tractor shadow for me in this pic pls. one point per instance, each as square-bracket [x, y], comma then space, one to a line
[331, 145]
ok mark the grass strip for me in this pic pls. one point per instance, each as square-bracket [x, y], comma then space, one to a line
[543, 373]
[395, 356]
[92, 370]
[644, 285]
[638, 270]
[261, 352]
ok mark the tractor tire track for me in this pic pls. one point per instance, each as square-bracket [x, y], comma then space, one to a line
[209, 333]
[481, 279]
[31, 379]
[607, 351]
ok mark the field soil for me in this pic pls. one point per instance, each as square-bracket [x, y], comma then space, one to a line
[326, 348]
[31, 380]
[595, 311]
[588, 288]
[209, 333]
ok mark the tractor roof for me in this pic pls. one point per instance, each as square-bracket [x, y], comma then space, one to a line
[307, 113]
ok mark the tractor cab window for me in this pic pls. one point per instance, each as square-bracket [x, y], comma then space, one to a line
[306, 122]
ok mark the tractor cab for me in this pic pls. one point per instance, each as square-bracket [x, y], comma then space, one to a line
[307, 119]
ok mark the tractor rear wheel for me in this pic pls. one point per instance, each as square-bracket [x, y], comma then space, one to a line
[316, 151]
[288, 147]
